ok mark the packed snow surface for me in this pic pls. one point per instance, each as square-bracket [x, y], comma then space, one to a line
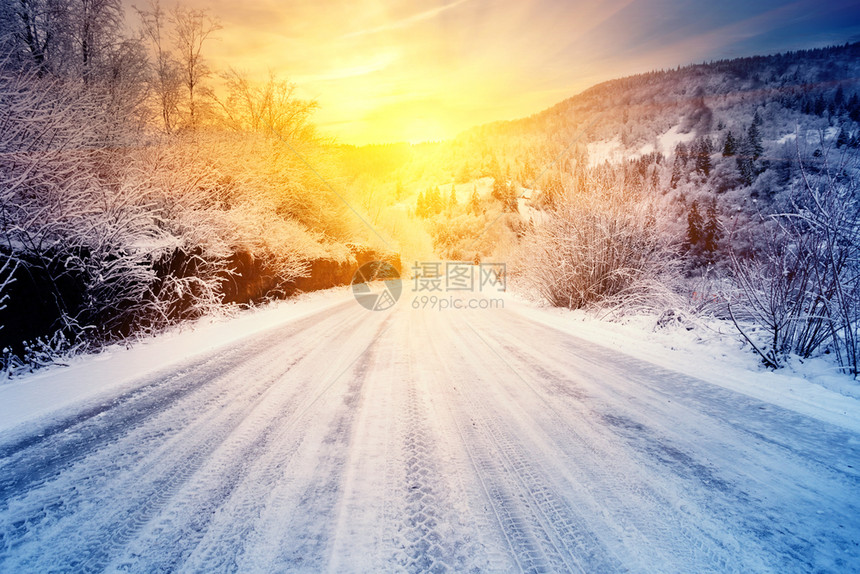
[320, 436]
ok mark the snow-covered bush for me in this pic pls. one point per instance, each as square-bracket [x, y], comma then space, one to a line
[39, 353]
[111, 241]
[111, 227]
[49, 185]
[7, 277]
[601, 247]
[803, 287]
[777, 293]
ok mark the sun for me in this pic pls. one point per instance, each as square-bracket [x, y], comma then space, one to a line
[424, 129]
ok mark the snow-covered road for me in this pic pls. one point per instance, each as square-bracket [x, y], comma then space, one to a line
[415, 440]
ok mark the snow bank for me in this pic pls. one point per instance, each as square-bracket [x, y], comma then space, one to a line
[90, 379]
[669, 140]
[713, 353]
[601, 151]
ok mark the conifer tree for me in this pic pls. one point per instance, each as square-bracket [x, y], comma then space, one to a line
[853, 108]
[474, 201]
[745, 161]
[730, 145]
[553, 189]
[499, 189]
[511, 201]
[754, 140]
[711, 230]
[694, 226]
[679, 165]
[703, 158]
[437, 204]
[839, 97]
[421, 207]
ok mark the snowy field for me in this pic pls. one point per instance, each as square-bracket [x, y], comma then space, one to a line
[318, 436]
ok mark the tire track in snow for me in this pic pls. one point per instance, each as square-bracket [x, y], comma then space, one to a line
[722, 519]
[360, 541]
[794, 432]
[574, 466]
[314, 520]
[617, 492]
[43, 454]
[253, 457]
[424, 526]
[543, 531]
[252, 525]
[95, 532]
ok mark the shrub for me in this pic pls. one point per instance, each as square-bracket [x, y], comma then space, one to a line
[803, 287]
[598, 246]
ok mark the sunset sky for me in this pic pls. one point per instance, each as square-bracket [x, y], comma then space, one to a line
[414, 70]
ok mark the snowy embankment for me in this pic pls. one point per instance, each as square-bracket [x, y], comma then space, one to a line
[712, 351]
[91, 379]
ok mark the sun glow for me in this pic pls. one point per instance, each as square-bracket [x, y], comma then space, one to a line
[417, 70]
[422, 129]
[384, 72]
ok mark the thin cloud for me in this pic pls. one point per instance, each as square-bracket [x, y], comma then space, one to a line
[352, 72]
[406, 22]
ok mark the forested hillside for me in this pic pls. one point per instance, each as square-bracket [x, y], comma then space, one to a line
[724, 131]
